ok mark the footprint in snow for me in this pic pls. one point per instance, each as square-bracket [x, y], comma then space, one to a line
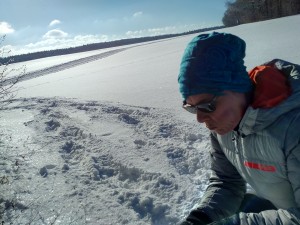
[44, 171]
[127, 119]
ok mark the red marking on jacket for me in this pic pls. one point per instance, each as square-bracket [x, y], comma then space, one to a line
[258, 166]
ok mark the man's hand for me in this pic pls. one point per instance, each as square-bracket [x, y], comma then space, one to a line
[196, 217]
[232, 220]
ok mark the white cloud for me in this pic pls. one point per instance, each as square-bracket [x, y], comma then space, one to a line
[165, 30]
[55, 34]
[137, 14]
[87, 39]
[5, 28]
[136, 33]
[56, 43]
[54, 22]
[58, 39]
[6, 50]
[153, 31]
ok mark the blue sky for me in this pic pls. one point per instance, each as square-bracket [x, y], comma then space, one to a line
[34, 25]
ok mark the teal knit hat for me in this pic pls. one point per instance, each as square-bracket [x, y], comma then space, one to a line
[213, 63]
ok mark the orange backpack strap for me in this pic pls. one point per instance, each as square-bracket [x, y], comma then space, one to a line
[271, 87]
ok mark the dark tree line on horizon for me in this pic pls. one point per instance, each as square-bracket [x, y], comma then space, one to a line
[248, 11]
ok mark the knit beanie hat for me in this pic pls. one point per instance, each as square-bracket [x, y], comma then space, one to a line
[213, 63]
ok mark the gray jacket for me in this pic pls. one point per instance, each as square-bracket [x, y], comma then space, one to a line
[265, 153]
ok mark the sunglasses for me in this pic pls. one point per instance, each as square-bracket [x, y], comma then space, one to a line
[208, 107]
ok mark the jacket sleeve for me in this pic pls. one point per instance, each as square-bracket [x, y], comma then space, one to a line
[226, 187]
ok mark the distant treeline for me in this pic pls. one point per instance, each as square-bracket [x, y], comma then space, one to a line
[248, 11]
[95, 46]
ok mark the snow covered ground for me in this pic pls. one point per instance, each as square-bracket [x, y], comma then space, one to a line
[103, 140]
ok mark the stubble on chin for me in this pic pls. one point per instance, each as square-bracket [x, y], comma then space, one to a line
[210, 126]
[223, 130]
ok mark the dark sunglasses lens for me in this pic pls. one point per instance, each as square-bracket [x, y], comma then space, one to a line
[206, 108]
[189, 108]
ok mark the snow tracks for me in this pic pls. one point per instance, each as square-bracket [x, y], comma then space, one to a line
[72, 162]
[63, 66]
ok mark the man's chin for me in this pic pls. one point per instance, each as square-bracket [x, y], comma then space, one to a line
[221, 131]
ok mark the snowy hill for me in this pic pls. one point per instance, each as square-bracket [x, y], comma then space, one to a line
[100, 138]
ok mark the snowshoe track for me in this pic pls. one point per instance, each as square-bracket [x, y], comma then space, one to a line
[63, 66]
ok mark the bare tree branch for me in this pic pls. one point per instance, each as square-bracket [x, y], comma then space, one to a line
[9, 77]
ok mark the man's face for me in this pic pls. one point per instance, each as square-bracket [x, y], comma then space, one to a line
[230, 109]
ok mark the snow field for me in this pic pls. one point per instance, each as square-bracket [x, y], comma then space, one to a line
[77, 168]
